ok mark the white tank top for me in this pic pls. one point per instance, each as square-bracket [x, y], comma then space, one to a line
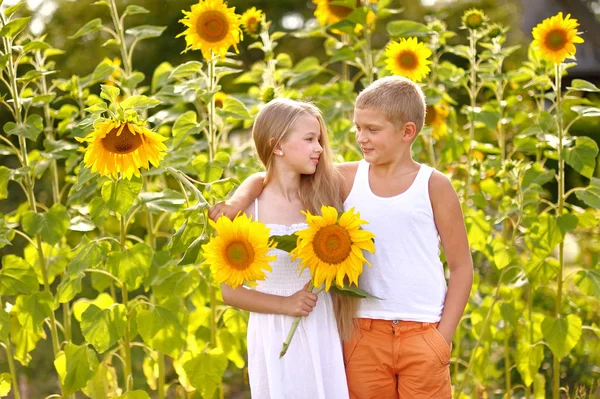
[406, 269]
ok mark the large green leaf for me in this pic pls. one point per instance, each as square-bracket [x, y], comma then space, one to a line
[90, 255]
[76, 365]
[131, 265]
[146, 31]
[4, 178]
[102, 328]
[134, 395]
[119, 195]
[205, 371]
[544, 235]
[591, 194]
[69, 287]
[582, 157]
[167, 200]
[139, 102]
[286, 243]
[536, 174]
[561, 334]
[4, 325]
[52, 225]
[103, 301]
[25, 340]
[33, 309]
[406, 28]
[104, 384]
[12, 29]
[5, 384]
[17, 276]
[178, 281]
[161, 330]
[588, 281]
[528, 360]
[30, 129]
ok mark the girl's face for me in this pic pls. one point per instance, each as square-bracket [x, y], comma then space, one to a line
[301, 148]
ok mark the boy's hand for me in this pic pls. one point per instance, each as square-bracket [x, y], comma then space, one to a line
[225, 208]
[299, 304]
[446, 334]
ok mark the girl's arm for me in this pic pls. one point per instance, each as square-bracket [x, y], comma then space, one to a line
[453, 234]
[247, 192]
[299, 304]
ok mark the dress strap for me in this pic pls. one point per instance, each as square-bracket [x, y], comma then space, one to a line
[256, 209]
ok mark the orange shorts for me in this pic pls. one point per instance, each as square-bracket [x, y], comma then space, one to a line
[397, 359]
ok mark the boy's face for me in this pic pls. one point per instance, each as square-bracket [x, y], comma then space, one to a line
[378, 138]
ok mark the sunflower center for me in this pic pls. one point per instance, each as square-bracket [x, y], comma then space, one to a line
[332, 244]
[212, 26]
[556, 39]
[430, 115]
[239, 255]
[407, 60]
[341, 11]
[124, 143]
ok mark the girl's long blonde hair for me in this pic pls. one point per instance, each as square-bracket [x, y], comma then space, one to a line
[273, 124]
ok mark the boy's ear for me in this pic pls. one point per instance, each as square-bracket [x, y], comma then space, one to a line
[409, 132]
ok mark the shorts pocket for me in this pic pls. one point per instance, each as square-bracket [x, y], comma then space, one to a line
[438, 344]
[350, 346]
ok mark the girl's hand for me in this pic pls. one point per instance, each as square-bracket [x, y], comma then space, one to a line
[299, 304]
[227, 208]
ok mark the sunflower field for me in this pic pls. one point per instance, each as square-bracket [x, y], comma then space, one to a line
[106, 180]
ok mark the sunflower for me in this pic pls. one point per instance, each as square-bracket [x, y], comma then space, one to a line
[408, 58]
[331, 247]
[329, 14]
[238, 252]
[122, 147]
[211, 27]
[554, 38]
[436, 118]
[220, 99]
[474, 19]
[115, 76]
[251, 20]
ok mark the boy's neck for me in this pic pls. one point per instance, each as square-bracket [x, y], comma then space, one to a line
[400, 165]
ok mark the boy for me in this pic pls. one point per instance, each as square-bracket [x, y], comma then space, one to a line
[402, 348]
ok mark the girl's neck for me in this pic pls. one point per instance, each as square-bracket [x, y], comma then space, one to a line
[285, 184]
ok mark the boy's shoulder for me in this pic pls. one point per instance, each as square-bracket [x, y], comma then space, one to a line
[440, 188]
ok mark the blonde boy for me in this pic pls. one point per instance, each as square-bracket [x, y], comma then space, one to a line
[402, 348]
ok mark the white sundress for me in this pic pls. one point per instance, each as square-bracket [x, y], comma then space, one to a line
[313, 367]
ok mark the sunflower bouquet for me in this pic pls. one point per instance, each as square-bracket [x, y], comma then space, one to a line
[332, 248]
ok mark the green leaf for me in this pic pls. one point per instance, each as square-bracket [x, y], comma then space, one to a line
[4, 325]
[52, 225]
[12, 9]
[177, 281]
[146, 31]
[89, 256]
[583, 85]
[591, 194]
[205, 371]
[104, 384]
[31, 129]
[109, 92]
[69, 287]
[93, 26]
[161, 330]
[351, 290]
[5, 384]
[139, 102]
[582, 157]
[6, 234]
[4, 178]
[103, 301]
[544, 235]
[503, 253]
[131, 265]
[235, 108]
[185, 238]
[138, 394]
[561, 334]
[184, 126]
[586, 110]
[102, 328]
[479, 229]
[120, 195]
[165, 201]
[133, 9]
[33, 309]
[536, 174]
[567, 222]
[76, 365]
[12, 29]
[185, 70]
[208, 171]
[25, 340]
[286, 243]
[221, 188]
[588, 281]
[528, 361]
[36, 45]
[406, 28]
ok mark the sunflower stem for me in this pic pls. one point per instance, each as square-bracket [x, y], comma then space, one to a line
[122, 46]
[288, 340]
[126, 339]
[472, 103]
[561, 194]
[10, 360]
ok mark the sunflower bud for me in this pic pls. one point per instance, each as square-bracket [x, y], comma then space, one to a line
[474, 19]
[267, 94]
[495, 30]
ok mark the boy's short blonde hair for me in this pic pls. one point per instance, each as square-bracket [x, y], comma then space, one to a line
[399, 99]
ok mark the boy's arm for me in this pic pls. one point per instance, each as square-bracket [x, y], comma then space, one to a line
[453, 235]
[299, 304]
[247, 192]
[348, 171]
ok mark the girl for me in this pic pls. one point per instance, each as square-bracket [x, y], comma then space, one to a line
[291, 141]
